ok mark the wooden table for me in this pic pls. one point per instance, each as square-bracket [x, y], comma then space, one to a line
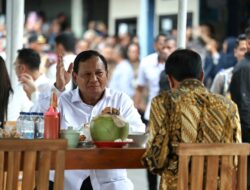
[103, 158]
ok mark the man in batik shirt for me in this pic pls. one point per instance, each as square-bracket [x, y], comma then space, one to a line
[189, 113]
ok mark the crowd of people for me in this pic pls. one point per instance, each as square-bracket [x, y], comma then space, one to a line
[155, 93]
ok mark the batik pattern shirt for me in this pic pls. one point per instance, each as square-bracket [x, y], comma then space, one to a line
[190, 114]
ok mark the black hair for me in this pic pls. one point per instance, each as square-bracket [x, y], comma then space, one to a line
[30, 58]
[183, 64]
[85, 55]
[240, 38]
[121, 51]
[5, 91]
[211, 28]
[67, 40]
[247, 32]
[158, 37]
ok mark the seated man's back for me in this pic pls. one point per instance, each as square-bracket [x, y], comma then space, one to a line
[190, 114]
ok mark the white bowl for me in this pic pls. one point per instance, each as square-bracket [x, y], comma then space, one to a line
[139, 139]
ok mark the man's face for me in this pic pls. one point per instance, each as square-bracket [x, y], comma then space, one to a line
[160, 44]
[91, 78]
[170, 46]
[240, 51]
[133, 53]
[19, 68]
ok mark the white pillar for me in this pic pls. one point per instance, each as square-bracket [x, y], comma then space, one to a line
[143, 33]
[182, 24]
[146, 26]
[77, 17]
[15, 25]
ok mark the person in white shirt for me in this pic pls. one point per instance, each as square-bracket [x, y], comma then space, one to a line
[123, 74]
[223, 78]
[27, 70]
[150, 69]
[65, 46]
[79, 106]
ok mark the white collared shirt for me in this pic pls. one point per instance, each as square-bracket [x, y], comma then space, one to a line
[42, 83]
[19, 101]
[149, 76]
[74, 112]
[122, 78]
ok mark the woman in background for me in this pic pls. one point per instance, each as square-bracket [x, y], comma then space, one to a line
[5, 92]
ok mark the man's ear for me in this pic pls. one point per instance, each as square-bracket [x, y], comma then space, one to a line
[202, 76]
[171, 81]
[107, 75]
[74, 77]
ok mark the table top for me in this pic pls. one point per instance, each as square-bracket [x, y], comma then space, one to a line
[103, 158]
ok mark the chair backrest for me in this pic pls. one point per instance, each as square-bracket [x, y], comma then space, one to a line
[213, 166]
[34, 158]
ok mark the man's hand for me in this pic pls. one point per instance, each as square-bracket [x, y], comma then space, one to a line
[28, 84]
[62, 76]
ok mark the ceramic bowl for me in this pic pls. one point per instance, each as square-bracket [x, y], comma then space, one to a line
[71, 135]
[139, 139]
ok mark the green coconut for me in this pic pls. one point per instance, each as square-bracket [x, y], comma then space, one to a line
[108, 127]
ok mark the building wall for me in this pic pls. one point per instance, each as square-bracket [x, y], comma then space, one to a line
[122, 9]
[163, 7]
[50, 7]
[131, 8]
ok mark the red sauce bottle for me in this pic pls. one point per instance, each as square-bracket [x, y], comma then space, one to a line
[51, 124]
[52, 120]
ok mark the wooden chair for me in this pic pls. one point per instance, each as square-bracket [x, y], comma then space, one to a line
[214, 162]
[34, 158]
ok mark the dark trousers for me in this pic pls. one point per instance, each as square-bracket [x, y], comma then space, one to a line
[152, 181]
[245, 131]
[86, 184]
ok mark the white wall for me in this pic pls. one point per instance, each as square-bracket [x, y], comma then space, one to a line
[163, 7]
[131, 8]
[122, 9]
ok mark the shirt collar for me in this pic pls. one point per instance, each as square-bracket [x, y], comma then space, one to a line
[191, 83]
[76, 95]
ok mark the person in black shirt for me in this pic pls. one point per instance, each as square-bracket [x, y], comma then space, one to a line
[240, 94]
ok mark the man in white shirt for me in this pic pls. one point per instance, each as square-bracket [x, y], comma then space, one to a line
[123, 74]
[65, 46]
[150, 69]
[222, 79]
[32, 82]
[88, 100]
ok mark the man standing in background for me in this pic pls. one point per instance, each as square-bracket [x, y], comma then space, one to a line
[222, 79]
[149, 72]
[240, 94]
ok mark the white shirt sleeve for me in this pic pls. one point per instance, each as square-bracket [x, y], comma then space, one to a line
[131, 115]
[43, 101]
[218, 83]
[142, 80]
